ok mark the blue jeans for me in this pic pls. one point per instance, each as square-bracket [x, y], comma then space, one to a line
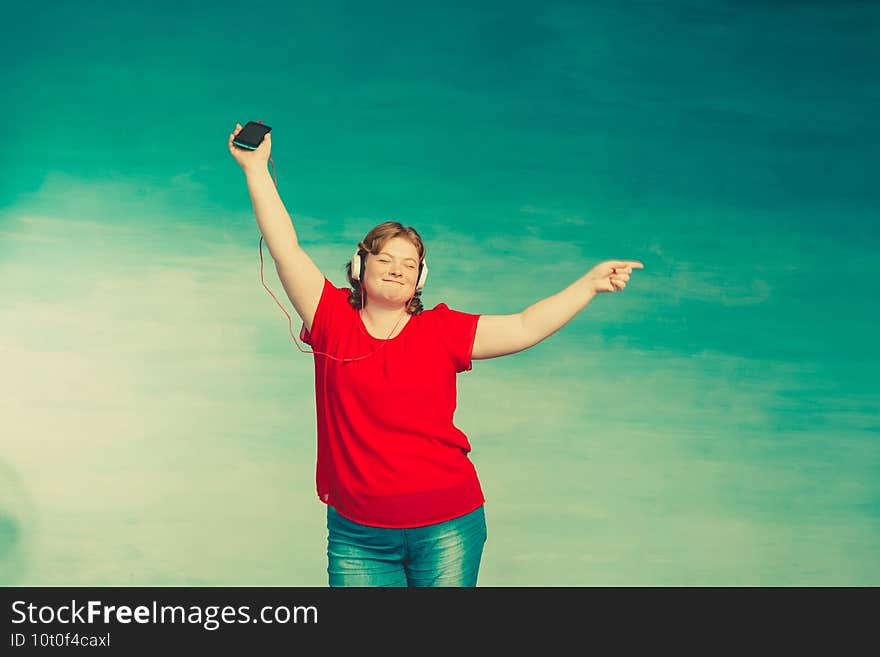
[443, 554]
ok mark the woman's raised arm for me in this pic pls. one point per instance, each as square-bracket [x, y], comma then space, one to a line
[301, 278]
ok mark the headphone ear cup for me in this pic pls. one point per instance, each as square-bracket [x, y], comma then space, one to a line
[423, 276]
[356, 266]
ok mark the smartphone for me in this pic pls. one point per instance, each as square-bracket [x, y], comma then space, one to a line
[251, 135]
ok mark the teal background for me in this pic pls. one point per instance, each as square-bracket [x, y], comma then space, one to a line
[716, 423]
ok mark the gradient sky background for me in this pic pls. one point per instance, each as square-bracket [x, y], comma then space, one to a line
[714, 424]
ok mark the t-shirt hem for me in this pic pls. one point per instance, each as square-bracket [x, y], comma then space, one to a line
[423, 524]
[403, 514]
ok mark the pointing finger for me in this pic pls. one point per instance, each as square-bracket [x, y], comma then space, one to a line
[621, 264]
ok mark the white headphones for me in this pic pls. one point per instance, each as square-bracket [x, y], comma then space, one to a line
[358, 264]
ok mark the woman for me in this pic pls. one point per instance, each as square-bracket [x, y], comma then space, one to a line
[404, 504]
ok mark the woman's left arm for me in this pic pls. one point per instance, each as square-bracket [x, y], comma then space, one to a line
[500, 335]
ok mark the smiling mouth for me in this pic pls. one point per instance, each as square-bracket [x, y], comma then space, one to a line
[389, 281]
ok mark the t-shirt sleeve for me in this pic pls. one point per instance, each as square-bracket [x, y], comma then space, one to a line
[457, 332]
[328, 307]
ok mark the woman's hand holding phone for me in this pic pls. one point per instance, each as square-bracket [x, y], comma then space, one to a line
[250, 159]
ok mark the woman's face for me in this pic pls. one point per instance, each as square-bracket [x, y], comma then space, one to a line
[391, 276]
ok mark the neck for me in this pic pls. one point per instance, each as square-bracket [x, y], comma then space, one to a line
[378, 315]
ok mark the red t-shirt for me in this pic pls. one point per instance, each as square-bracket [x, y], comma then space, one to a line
[389, 454]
